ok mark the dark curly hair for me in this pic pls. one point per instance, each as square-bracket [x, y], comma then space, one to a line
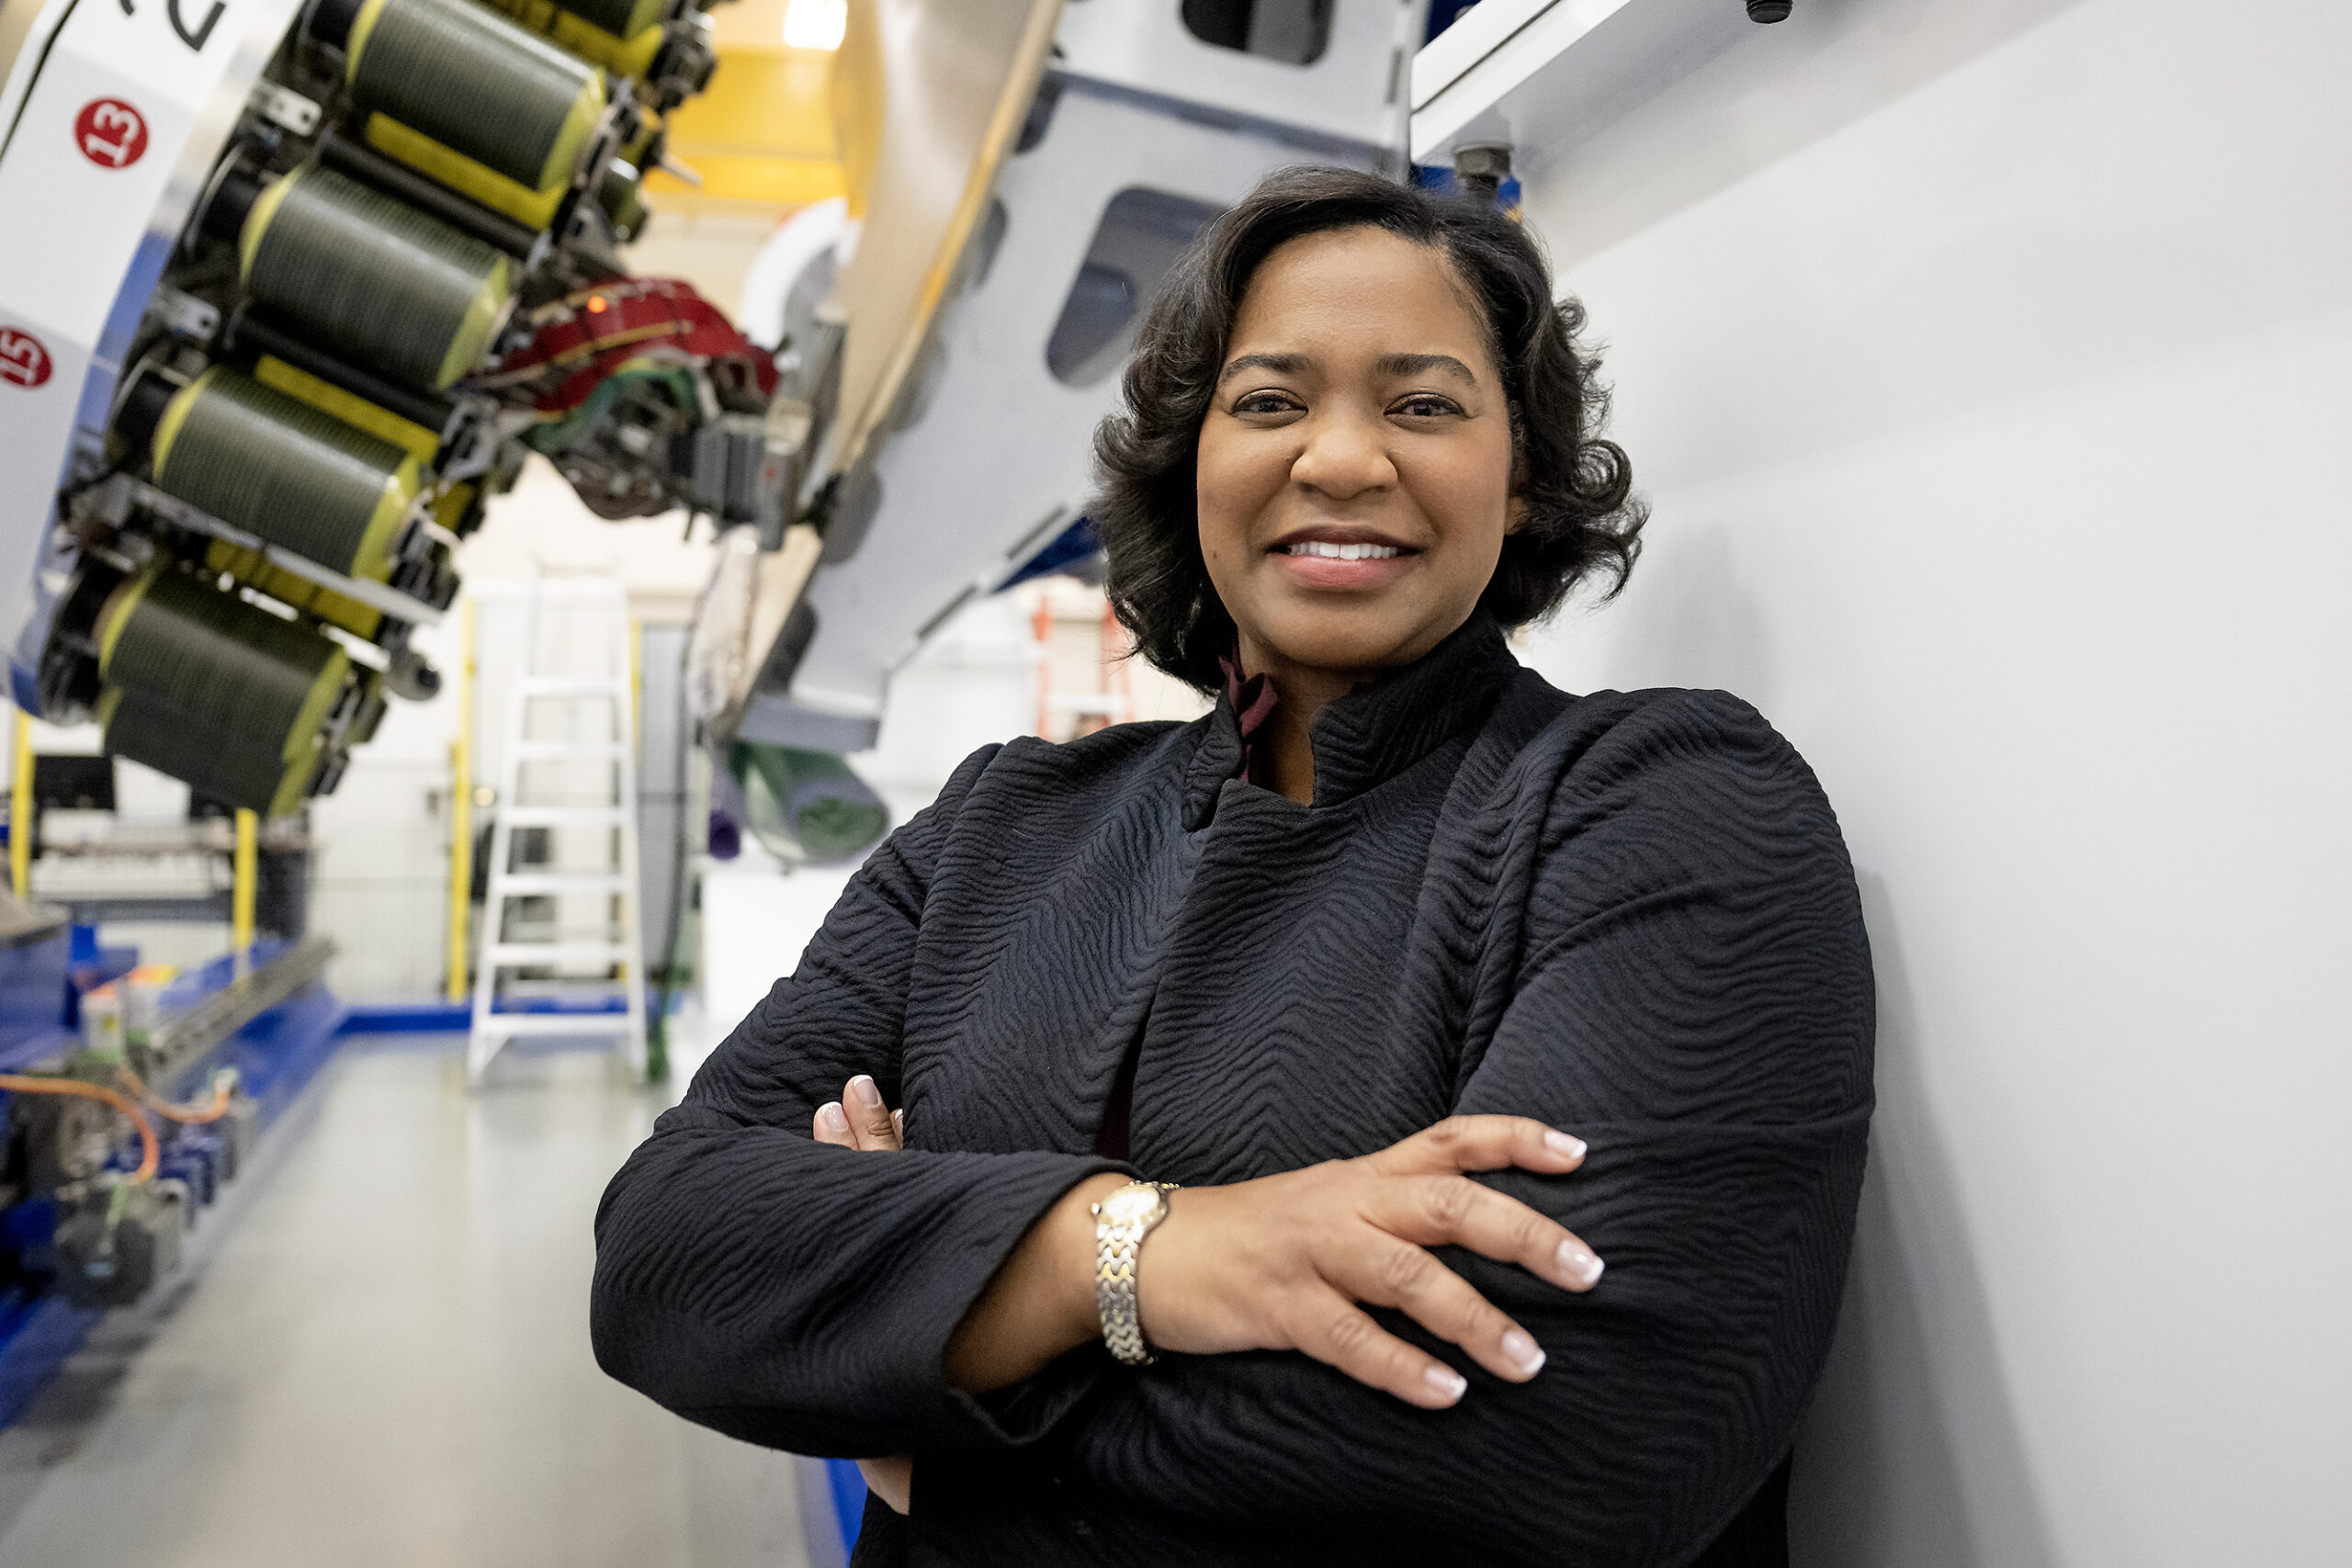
[1581, 517]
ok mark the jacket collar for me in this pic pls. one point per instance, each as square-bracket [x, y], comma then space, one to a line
[1374, 732]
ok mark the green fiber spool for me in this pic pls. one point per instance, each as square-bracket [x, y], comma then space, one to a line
[621, 193]
[806, 803]
[374, 277]
[244, 771]
[622, 19]
[478, 83]
[295, 475]
[228, 667]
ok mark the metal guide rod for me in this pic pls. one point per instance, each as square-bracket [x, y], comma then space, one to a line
[182, 1039]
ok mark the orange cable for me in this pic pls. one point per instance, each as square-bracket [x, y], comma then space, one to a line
[149, 1151]
[186, 1115]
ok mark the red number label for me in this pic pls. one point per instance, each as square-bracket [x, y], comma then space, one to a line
[110, 133]
[23, 361]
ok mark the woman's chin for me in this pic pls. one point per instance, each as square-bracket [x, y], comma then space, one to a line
[1364, 635]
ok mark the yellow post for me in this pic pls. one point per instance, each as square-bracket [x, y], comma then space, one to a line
[461, 805]
[240, 899]
[21, 815]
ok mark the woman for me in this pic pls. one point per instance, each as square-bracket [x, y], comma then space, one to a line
[1430, 985]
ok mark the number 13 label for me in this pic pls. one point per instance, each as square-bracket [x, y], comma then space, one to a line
[110, 133]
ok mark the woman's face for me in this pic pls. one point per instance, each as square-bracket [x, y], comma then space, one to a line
[1354, 470]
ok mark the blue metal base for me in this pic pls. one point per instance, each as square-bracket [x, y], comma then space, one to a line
[408, 1017]
[275, 1056]
[848, 1482]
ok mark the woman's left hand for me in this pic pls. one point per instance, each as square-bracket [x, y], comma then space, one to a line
[859, 1120]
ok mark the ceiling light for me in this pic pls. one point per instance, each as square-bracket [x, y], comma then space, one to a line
[815, 24]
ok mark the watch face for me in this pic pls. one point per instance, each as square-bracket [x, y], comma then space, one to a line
[1131, 1205]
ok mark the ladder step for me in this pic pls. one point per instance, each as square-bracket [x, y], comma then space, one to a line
[515, 955]
[511, 1023]
[521, 884]
[564, 815]
[571, 686]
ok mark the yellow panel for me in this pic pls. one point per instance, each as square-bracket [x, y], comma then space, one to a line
[774, 104]
[326, 396]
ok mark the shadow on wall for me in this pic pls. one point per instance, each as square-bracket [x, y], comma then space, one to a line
[1698, 623]
[1912, 1437]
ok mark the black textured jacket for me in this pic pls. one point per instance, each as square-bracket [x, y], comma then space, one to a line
[1630, 915]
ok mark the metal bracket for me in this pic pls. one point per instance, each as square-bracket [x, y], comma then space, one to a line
[285, 107]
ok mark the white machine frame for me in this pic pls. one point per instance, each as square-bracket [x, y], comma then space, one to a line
[113, 115]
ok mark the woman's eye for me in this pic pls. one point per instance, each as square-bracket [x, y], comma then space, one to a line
[1265, 402]
[1430, 407]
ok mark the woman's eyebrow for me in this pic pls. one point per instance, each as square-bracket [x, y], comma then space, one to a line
[1403, 365]
[1276, 364]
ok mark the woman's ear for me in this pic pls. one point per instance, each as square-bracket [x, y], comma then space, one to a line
[1515, 514]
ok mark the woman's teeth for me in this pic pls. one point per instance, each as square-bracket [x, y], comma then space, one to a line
[1342, 552]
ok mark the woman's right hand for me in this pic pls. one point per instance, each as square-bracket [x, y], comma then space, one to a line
[1288, 1262]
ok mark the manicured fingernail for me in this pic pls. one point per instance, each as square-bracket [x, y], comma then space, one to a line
[866, 1094]
[1450, 1384]
[829, 1114]
[1562, 1144]
[1579, 1264]
[1524, 1352]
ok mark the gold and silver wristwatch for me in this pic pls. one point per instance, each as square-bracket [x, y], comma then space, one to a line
[1122, 1220]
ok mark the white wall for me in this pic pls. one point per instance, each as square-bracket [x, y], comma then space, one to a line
[1990, 366]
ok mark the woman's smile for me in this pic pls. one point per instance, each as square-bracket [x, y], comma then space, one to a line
[1331, 559]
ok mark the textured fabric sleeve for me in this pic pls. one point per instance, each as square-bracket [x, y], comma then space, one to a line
[1693, 996]
[800, 1295]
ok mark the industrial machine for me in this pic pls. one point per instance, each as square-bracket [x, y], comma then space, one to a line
[289, 290]
[313, 280]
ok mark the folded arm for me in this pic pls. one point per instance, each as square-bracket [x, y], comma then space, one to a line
[802, 1295]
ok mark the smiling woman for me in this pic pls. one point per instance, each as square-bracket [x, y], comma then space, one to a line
[1270, 1088]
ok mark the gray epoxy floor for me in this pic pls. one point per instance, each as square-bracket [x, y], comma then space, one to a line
[384, 1358]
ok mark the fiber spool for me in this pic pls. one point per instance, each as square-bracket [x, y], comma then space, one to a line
[374, 277]
[621, 193]
[478, 83]
[622, 19]
[239, 770]
[274, 466]
[230, 669]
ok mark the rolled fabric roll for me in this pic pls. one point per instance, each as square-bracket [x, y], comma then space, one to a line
[480, 85]
[244, 771]
[293, 474]
[805, 805]
[373, 277]
[622, 19]
[230, 668]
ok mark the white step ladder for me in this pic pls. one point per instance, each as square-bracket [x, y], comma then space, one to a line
[594, 713]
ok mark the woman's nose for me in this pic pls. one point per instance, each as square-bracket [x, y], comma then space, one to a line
[1343, 458]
